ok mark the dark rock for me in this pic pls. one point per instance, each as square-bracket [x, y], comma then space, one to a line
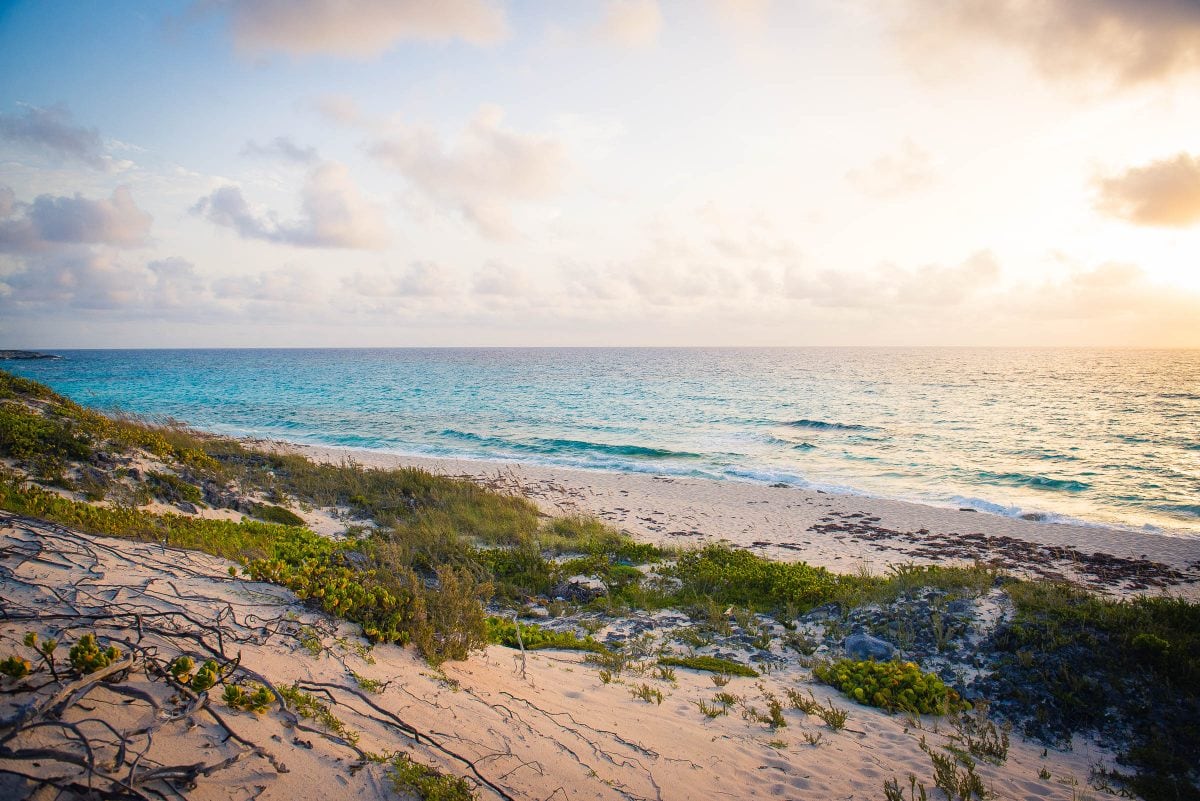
[580, 589]
[864, 646]
[221, 497]
[186, 506]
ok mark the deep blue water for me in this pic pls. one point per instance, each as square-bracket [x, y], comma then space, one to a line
[1109, 436]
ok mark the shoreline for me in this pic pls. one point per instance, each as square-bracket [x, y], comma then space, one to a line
[845, 533]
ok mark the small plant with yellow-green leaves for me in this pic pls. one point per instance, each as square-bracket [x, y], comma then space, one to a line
[87, 656]
[206, 677]
[306, 705]
[892, 686]
[182, 668]
[45, 649]
[15, 667]
[252, 698]
[647, 693]
[413, 778]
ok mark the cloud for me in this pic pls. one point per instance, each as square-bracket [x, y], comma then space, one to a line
[8, 201]
[284, 285]
[1161, 193]
[334, 214]
[502, 281]
[73, 279]
[1126, 41]
[339, 109]
[889, 286]
[281, 147]
[481, 176]
[421, 279]
[899, 173]
[51, 221]
[52, 130]
[631, 23]
[745, 14]
[358, 28]
[174, 284]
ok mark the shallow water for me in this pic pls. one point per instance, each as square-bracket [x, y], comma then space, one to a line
[1107, 436]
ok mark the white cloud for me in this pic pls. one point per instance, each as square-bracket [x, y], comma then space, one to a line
[483, 174]
[334, 214]
[359, 28]
[1162, 193]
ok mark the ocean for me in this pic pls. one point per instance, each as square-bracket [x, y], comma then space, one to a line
[1102, 435]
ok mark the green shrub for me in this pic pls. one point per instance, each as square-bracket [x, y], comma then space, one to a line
[504, 632]
[891, 686]
[171, 488]
[734, 576]
[276, 514]
[711, 664]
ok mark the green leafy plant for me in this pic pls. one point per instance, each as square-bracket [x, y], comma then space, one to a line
[15, 667]
[251, 698]
[711, 664]
[182, 668]
[425, 783]
[206, 677]
[891, 686]
[502, 631]
[647, 693]
[307, 705]
[45, 649]
[87, 656]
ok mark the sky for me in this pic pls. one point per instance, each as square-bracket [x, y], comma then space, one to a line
[335, 173]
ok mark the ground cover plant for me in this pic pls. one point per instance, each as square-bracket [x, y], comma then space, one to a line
[534, 637]
[710, 664]
[1073, 662]
[892, 686]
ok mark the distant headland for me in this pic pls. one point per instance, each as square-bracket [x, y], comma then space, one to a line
[18, 355]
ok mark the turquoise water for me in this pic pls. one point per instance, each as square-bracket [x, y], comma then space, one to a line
[1106, 436]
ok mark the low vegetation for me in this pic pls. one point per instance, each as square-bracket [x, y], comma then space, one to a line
[534, 637]
[711, 664]
[425, 553]
[892, 686]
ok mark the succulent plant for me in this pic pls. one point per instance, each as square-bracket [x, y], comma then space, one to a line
[87, 657]
[15, 667]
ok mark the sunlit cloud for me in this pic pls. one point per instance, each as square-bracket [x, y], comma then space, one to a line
[482, 175]
[631, 23]
[358, 28]
[905, 170]
[1162, 193]
[1126, 42]
[334, 214]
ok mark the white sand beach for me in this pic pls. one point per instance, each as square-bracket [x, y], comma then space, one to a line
[844, 533]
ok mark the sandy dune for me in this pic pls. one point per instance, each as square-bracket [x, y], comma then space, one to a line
[557, 732]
